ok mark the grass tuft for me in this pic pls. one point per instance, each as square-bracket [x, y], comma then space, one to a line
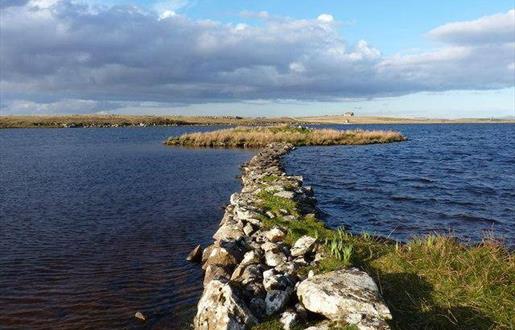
[256, 137]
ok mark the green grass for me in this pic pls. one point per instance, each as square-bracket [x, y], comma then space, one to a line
[433, 282]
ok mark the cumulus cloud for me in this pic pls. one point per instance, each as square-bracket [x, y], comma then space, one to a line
[493, 29]
[66, 51]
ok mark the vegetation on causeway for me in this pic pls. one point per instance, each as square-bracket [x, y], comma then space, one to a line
[433, 282]
[256, 137]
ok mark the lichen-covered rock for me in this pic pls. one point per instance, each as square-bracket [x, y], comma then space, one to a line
[275, 235]
[223, 253]
[229, 231]
[220, 308]
[274, 258]
[303, 245]
[216, 272]
[344, 295]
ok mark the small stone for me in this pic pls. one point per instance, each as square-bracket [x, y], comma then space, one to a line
[195, 255]
[270, 214]
[311, 273]
[274, 259]
[303, 245]
[269, 246]
[248, 229]
[289, 319]
[251, 257]
[275, 235]
[140, 316]
[285, 194]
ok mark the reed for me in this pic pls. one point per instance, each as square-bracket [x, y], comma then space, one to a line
[257, 137]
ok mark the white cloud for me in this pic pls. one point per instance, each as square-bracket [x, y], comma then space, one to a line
[499, 28]
[72, 51]
[326, 18]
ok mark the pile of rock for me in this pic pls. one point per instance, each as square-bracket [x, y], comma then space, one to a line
[251, 273]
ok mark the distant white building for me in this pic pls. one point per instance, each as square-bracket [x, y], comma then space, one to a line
[349, 114]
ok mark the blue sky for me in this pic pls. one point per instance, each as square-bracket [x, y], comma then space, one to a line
[399, 58]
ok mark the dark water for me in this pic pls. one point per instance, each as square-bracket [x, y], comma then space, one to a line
[457, 179]
[95, 225]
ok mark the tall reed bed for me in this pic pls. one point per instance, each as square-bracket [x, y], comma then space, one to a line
[256, 137]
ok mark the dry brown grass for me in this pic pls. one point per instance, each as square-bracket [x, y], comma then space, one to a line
[257, 137]
[128, 120]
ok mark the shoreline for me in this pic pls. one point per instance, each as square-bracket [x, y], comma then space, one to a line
[422, 281]
[255, 272]
[115, 121]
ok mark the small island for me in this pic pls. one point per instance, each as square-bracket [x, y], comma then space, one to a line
[275, 265]
[258, 137]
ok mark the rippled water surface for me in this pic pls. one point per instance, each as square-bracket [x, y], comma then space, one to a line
[95, 225]
[457, 179]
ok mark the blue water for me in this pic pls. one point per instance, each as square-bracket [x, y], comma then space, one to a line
[448, 179]
[95, 225]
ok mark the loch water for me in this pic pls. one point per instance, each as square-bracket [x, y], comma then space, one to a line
[95, 223]
[454, 179]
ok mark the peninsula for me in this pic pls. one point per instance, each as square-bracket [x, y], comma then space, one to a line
[275, 265]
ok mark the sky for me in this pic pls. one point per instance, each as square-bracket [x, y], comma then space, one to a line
[444, 59]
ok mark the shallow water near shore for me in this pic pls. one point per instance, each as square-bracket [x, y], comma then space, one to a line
[447, 179]
[95, 223]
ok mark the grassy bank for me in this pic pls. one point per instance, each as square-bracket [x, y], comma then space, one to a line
[433, 282]
[399, 120]
[256, 137]
[126, 121]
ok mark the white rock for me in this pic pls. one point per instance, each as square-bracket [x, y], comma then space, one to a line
[289, 319]
[285, 194]
[140, 316]
[220, 309]
[344, 295]
[274, 259]
[248, 229]
[228, 232]
[275, 235]
[251, 257]
[303, 245]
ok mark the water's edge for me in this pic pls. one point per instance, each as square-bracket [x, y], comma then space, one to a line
[231, 296]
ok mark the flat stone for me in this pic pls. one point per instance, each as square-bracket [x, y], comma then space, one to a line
[344, 295]
[303, 245]
[228, 232]
[285, 194]
[274, 259]
[251, 257]
[216, 272]
[248, 229]
[220, 308]
[275, 235]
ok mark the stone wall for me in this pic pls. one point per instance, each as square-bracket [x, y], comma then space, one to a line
[251, 273]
